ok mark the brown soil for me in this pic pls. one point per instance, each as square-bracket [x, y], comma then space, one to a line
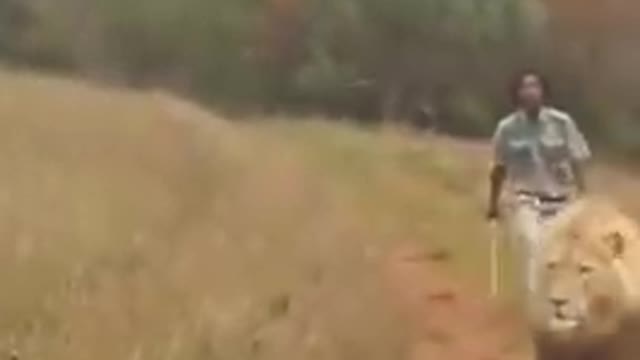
[448, 317]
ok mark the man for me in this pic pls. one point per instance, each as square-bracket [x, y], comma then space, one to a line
[539, 154]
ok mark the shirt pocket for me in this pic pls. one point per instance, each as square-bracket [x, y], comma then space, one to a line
[520, 152]
[554, 148]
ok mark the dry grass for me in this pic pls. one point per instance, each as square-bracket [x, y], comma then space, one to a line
[137, 226]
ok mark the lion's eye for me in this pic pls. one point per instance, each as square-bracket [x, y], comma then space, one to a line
[585, 269]
[552, 265]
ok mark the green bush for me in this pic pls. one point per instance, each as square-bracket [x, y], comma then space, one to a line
[358, 58]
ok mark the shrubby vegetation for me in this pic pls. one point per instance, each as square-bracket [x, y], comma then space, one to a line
[446, 60]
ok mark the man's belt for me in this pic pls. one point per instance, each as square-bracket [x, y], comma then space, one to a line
[543, 197]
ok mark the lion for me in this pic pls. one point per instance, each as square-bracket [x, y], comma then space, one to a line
[587, 306]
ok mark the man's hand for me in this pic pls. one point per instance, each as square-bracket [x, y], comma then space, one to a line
[493, 213]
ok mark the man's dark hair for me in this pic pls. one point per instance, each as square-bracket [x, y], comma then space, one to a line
[518, 79]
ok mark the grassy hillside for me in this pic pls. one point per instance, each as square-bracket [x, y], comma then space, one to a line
[137, 226]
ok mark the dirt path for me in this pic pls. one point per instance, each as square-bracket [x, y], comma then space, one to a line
[449, 319]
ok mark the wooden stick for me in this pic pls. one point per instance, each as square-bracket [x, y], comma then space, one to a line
[494, 260]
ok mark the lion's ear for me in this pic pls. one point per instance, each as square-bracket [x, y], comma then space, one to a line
[616, 242]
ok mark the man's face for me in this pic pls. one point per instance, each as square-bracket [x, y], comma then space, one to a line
[531, 93]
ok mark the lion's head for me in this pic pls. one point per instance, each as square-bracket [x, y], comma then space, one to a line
[586, 286]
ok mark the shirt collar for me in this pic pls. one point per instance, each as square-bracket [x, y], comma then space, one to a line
[542, 115]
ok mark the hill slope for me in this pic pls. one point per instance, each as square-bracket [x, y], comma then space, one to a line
[138, 226]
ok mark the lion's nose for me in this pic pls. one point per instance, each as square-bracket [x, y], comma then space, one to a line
[559, 302]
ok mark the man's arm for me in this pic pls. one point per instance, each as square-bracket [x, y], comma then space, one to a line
[498, 172]
[496, 180]
[579, 173]
[580, 153]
